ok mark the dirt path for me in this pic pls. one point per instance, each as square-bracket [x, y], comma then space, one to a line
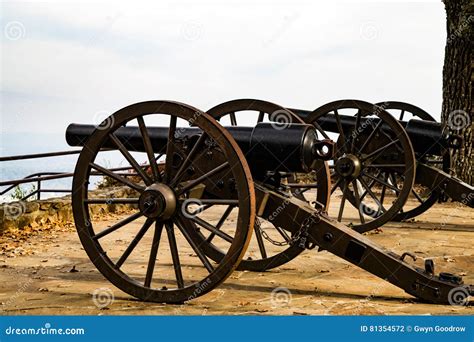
[51, 274]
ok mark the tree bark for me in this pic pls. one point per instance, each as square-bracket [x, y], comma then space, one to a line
[458, 84]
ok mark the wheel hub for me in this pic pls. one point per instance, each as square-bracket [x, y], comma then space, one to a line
[348, 166]
[157, 201]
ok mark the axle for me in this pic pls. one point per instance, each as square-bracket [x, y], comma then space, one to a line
[294, 148]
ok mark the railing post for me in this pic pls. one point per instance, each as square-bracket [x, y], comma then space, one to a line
[38, 189]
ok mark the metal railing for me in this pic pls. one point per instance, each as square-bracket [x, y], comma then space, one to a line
[39, 177]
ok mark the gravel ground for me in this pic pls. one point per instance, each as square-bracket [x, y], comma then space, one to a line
[46, 272]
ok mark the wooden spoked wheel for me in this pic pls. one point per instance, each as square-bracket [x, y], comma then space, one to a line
[422, 197]
[179, 172]
[368, 139]
[271, 246]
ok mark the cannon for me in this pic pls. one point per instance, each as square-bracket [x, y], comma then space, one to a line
[295, 151]
[426, 136]
[430, 147]
[198, 188]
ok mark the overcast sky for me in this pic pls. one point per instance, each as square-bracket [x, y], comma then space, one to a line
[68, 62]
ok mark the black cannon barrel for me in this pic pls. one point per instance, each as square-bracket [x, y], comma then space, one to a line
[293, 149]
[426, 136]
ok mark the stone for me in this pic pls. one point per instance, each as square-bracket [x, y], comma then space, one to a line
[31, 207]
[24, 220]
[44, 205]
[38, 214]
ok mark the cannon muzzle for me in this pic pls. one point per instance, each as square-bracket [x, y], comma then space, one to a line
[294, 148]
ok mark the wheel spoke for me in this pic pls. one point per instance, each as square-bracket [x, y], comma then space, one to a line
[195, 247]
[417, 196]
[170, 148]
[211, 228]
[371, 193]
[402, 114]
[283, 233]
[369, 138]
[148, 148]
[378, 180]
[188, 159]
[356, 130]
[393, 177]
[130, 159]
[372, 183]
[306, 189]
[175, 255]
[341, 131]
[358, 203]
[379, 150]
[233, 119]
[198, 180]
[134, 242]
[343, 202]
[117, 177]
[321, 130]
[306, 186]
[258, 235]
[153, 253]
[384, 188]
[116, 226]
[233, 202]
[221, 222]
[338, 182]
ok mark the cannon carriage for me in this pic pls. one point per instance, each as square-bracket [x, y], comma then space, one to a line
[207, 186]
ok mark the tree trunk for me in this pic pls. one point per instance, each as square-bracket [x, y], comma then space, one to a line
[458, 84]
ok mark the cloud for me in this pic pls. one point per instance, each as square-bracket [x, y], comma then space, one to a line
[76, 59]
